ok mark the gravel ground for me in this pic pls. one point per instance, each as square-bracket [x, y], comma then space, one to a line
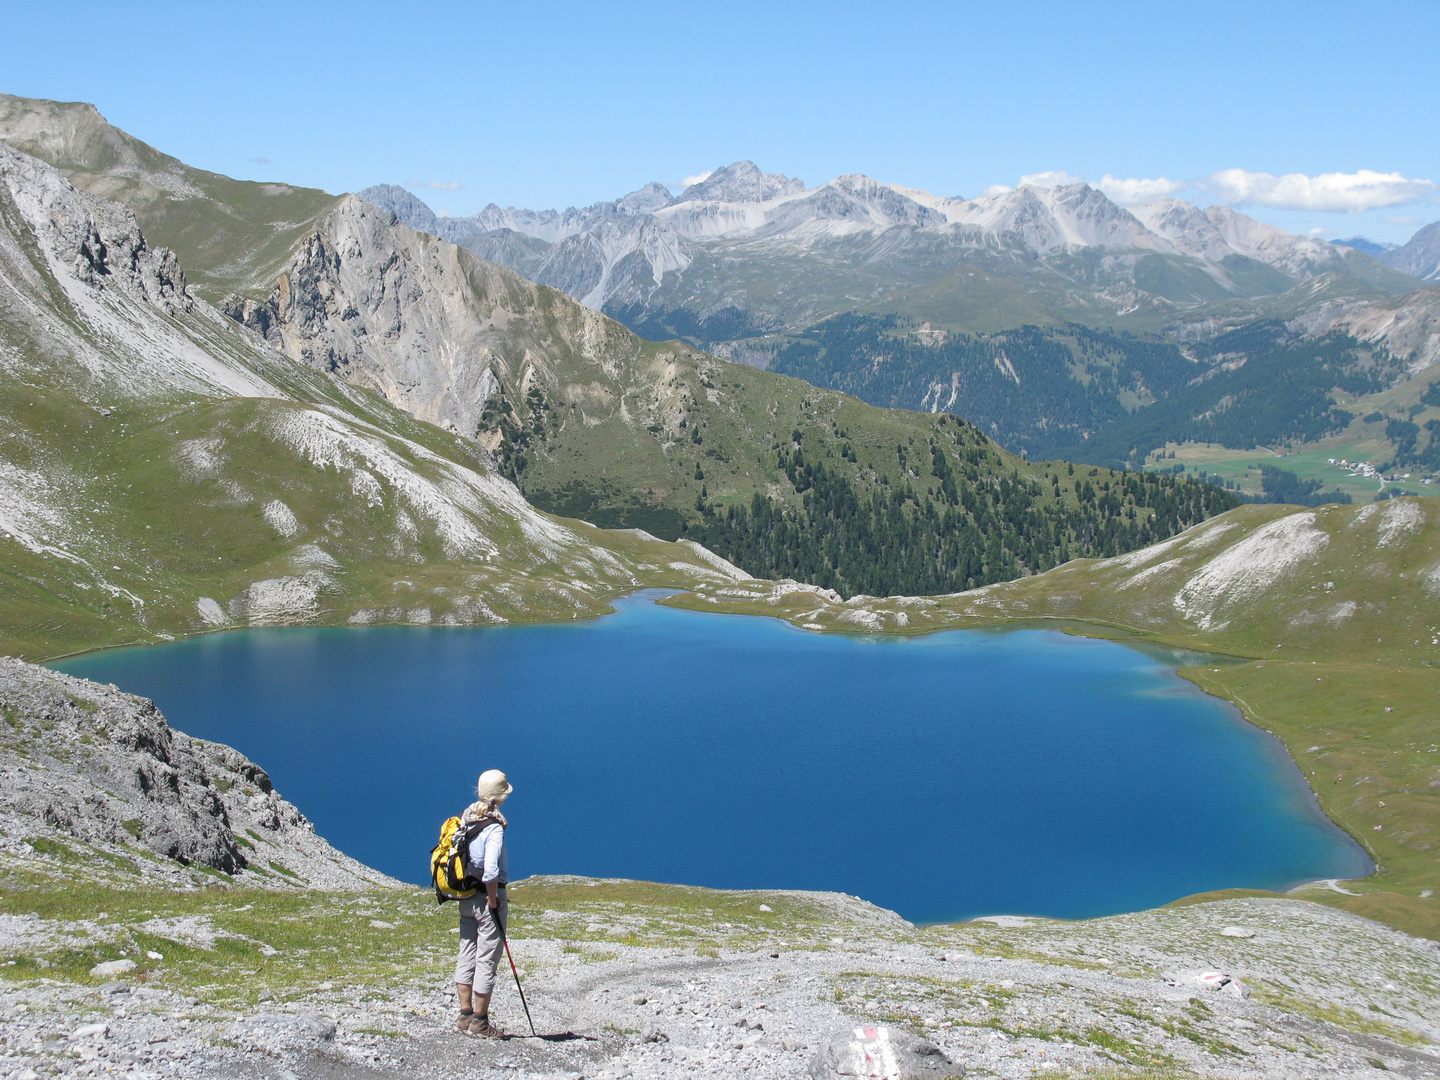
[1334, 995]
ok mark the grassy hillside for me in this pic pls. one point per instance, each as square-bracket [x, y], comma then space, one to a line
[163, 472]
[1333, 610]
[592, 422]
[231, 235]
[1109, 397]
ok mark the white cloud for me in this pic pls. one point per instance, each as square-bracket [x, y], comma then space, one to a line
[1403, 219]
[1353, 192]
[698, 178]
[438, 185]
[1052, 178]
[1128, 192]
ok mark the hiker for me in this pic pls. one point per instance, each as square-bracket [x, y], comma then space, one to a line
[481, 936]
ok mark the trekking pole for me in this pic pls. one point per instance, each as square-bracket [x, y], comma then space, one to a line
[495, 914]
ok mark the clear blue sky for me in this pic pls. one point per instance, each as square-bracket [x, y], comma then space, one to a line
[554, 104]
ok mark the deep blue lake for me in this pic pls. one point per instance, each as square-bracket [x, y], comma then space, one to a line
[958, 774]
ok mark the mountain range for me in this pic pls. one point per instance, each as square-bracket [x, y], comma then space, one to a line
[1062, 324]
[358, 421]
[233, 404]
[163, 470]
[719, 262]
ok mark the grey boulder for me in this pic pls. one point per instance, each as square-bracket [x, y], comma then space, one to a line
[884, 1053]
[319, 1028]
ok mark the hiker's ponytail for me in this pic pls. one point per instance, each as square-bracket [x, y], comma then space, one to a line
[481, 809]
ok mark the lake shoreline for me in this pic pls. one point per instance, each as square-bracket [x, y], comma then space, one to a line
[1158, 670]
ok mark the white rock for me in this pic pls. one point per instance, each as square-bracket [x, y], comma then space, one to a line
[881, 1051]
[90, 1031]
[112, 967]
[280, 518]
[1237, 931]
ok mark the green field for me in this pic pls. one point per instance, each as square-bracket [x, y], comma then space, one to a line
[1243, 467]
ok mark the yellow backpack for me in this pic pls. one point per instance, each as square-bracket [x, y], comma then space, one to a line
[447, 861]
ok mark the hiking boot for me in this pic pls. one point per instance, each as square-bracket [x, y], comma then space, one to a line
[483, 1027]
[462, 1025]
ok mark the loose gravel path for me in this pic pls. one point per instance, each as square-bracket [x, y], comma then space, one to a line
[1329, 995]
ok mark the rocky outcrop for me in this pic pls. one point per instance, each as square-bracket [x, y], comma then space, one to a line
[98, 241]
[95, 779]
[1407, 327]
[430, 326]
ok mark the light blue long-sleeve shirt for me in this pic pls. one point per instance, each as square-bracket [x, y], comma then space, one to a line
[486, 857]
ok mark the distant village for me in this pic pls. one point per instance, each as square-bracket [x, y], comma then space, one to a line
[1369, 472]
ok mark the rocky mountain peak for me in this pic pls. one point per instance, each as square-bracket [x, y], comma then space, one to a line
[856, 198]
[646, 200]
[1420, 256]
[408, 209]
[742, 182]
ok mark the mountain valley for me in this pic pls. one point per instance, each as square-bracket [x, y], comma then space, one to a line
[908, 300]
[232, 404]
[587, 419]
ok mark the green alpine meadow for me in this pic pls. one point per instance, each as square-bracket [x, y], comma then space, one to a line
[1191, 408]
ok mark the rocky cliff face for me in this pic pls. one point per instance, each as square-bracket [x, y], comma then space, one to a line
[98, 241]
[230, 234]
[427, 324]
[97, 784]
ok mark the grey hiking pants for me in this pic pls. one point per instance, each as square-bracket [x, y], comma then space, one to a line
[480, 942]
